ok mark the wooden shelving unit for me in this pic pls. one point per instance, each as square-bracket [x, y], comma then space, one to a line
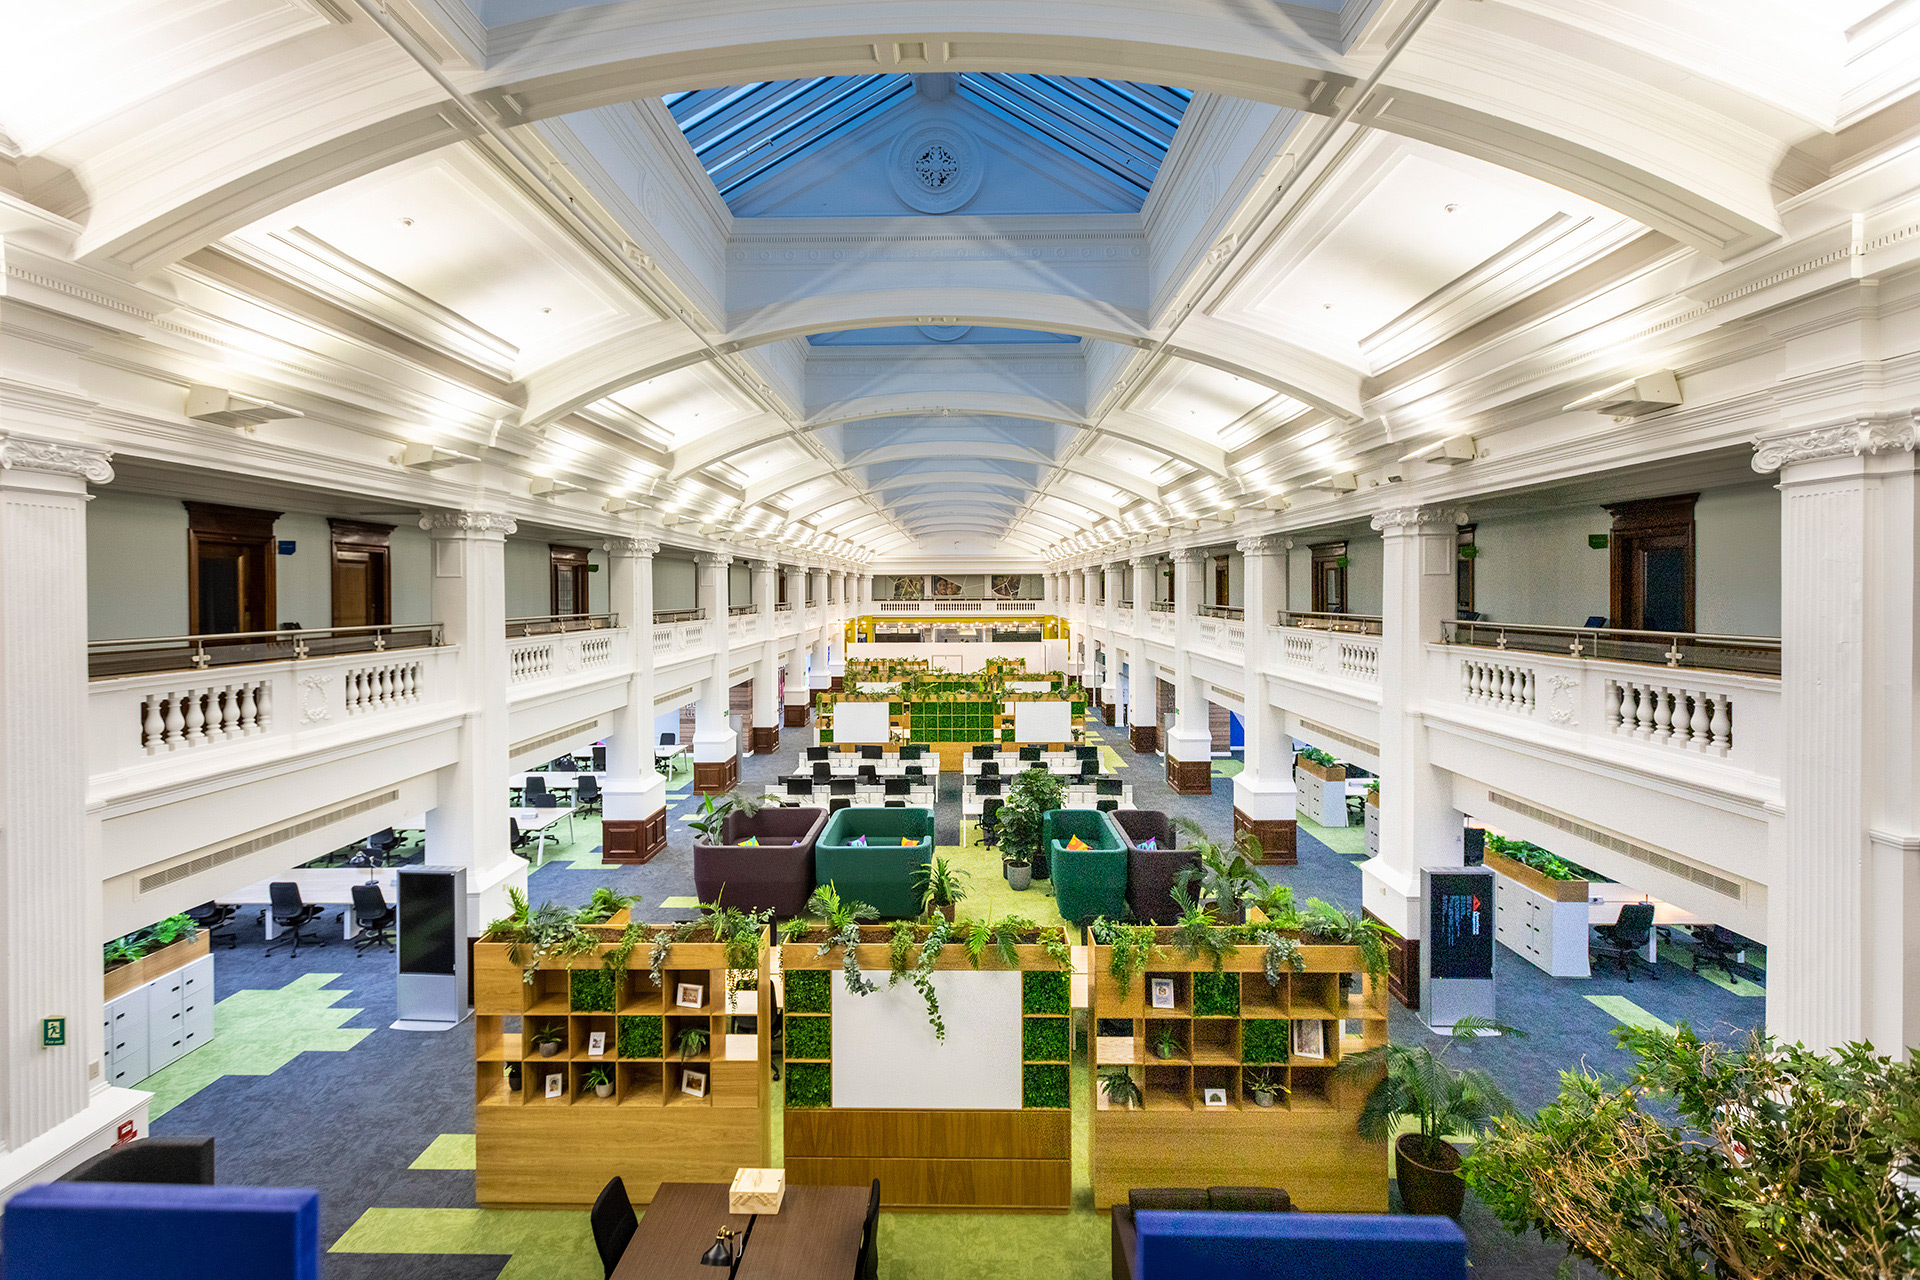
[1306, 1142]
[539, 1151]
[942, 1159]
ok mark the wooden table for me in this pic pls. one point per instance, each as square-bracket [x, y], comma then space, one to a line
[815, 1236]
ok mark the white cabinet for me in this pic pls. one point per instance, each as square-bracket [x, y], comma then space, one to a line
[155, 1023]
[1373, 829]
[1320, 800]
[1547, 934]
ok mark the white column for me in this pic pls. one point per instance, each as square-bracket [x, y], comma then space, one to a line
[767, 703]
[716, 748]
[55, 1106]
[634, 809]
[836, 624]
[797, 644]
[1264, 798]
[818, 676]
[1143, 689]
[468, 827]
[1190, 742]
[1110, 622]
[1843, 905]
[1419, 827]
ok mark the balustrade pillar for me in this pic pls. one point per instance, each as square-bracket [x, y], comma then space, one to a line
[818, 674]
[1189, 747]
[1419, 827]
[836, 626]
[1843, 900]
[469, 594]
[798, 696]
[634, 810]
[716, 747]
[1265, 800]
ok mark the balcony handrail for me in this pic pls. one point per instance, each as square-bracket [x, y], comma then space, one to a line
[783, 606]
[1231, 612]
[1365, 624]
[741, 610]
[678, 615]
[1748, 655]
[1161, 606]
[554, 624]
[140, 655]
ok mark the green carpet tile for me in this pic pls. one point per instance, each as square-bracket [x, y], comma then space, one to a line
[1227, 768]
[448, 1151]
[1628, 1012]
[540, 1244]
[989, 896]
[1350, 841]
[255, 1033]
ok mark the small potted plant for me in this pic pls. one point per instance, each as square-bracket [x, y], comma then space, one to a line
[1019, 871]
[600, 1082]
[692, 1041]
[1121, 1088]
[1166, 1044]
[941, 888]
[548, 1040]
[513, 1077]
[1264, 1086]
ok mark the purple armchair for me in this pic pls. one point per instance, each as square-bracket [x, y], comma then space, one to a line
[775, 875]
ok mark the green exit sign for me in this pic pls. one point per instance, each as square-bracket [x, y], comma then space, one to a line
[53, 1032]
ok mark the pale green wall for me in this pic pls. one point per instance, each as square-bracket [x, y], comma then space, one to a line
[1737, 561]
[1366, 574]
[1537, 567]
[529, 579]
[674, 583]
[303, 581]
[412, 566]
[136, 566]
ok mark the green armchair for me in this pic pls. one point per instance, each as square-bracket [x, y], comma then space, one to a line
[1086, 882]
[879, 873]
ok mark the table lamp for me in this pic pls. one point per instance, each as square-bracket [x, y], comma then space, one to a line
[720, 1252]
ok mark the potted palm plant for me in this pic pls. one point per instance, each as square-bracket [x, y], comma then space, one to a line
[600, 1082]
[1445, 1101]
[1033, 792]
[1227, 875]
[1121, 1089]
[941, 887]
[548, 1040]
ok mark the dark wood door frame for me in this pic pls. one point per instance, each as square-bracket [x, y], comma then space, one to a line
[572, 561]
[1326, 558]
[372, 543]
[1637, 528]
[210, 526]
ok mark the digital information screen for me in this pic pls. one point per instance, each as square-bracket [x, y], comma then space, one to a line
[426, 924]
[1460, 929]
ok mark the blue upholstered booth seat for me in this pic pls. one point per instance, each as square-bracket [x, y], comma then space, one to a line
[155, 1231]
[1190, 1245]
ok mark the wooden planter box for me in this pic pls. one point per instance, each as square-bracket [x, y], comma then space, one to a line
[155, 964]
[1326, 773]
[1308, 1142]
[1547, 886]
[932, 1158]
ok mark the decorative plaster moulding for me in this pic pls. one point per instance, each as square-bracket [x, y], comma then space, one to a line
[1838, 440]
[468, 522]
[54, 457]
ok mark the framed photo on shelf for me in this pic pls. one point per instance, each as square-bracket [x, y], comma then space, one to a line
[1160, 993]
[693, 1082]
[689, 995]
[596, 1044]
[556, 1084]
[1215, 1097]
[1309, 1038]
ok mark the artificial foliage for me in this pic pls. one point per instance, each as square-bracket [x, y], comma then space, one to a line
[1044, 1040]
[1264, 1040]
[1044, 991]
[809, 1084]
[1760, 1161]
[640, 1036]
[1216, 995]
[1130, 949]
[590, 991]
[1033, 793]
[808, 1037]
[1043, 1085]
[1550, 865]
[1318, 757]
[809, 991]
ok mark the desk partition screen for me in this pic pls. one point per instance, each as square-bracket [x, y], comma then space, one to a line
[430, 989]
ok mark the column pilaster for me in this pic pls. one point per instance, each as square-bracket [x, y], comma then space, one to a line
[767, 701]
[1189, 748]
[469, 592]
[1265, 800]
[818, 675]
[634, 810]
[716, 747]
[798, 696]
[1143, 681]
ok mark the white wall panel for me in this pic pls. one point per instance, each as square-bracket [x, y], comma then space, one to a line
[885, 1054]
[860, 722]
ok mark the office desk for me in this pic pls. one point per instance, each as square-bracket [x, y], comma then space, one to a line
[815, 1236]
[540, 822]
[1603, 910]
[323, 886]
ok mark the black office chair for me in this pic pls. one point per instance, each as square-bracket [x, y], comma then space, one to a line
[668, 739]
[178, 1161]
[1716, 948]
[563, 764]
[536, 795]
[912, 752]
[1624, 940]
[899, 787]
[586, 794]
[376, 849]
[867, 773]
[290, 914]
[211, 916]
[614, 1223]
[518, 839]
[799, 786]
[836, 803]
[915, 771]
[374, 916]
[990, 822]
[822, 770]
[867, 1266]
[1089, 770]
[817, 753]
[1357, 810]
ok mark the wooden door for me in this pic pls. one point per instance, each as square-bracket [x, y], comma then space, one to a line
[362, 583]
[230, 567]
[1651, 563]
[1220, 593]
[1330, 577]
[569, 581]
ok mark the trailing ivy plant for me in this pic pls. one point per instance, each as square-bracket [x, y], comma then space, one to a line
[1278, 954]
[1130, 948]
[841, 919]
[535, 935]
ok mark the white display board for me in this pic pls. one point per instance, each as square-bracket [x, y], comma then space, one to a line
[1043, 722]
[1029, 686]
[860, 722]
[878, 686]
[885, 1054]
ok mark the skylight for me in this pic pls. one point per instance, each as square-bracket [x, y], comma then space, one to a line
[746, 134]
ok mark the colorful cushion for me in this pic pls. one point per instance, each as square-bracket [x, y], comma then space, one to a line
[1151, 842]
[1076, 843]
[859, 840]
[750, 842]
[908, 840]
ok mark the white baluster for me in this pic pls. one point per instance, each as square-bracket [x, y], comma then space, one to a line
[1662, 715]
[1698, 723]
[152, 726]
[176, 721]
[220, 713]
[1643, 715]
[264, 700]
[1722, 725]
[1618, 712]
[196, 719]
